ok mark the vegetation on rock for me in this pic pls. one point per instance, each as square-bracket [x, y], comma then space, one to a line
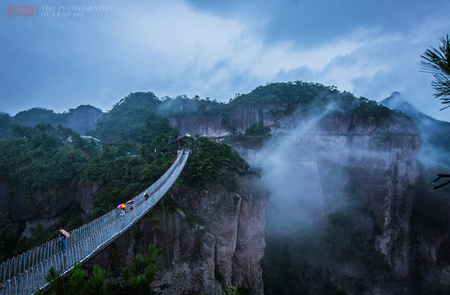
[212, 163]
[136, 278]
[305, 97]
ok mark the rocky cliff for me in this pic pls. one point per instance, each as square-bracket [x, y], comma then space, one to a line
[235, 122]
[22, 207]
[83, 119]
[215, 240]
[43, 208]
[315, 168]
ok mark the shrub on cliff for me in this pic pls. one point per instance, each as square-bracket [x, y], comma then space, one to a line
[212, 162]
[136, 278]
[141, 273]
[79, 282]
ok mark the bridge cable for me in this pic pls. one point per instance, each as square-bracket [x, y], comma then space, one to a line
[165, 231]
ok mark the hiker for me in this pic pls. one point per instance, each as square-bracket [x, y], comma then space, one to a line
[62, 242]
[131, 207]
[122, 212]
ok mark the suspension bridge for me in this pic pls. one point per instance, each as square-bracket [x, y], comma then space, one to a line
[25, 273]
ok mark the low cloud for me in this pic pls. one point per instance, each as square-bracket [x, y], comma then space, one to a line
[183, 47]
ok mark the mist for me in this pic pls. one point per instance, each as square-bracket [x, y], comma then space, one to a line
[304, 171]
[433, 133]
[335, 163]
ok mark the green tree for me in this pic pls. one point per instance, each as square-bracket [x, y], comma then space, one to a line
[79, 283]
[141, 273]
[437, 62]
[97, 282]
[137, 277]
[6, 125]
[231, 291]
[7, 237]
[212, 162]
[78, 280]
[56, 281]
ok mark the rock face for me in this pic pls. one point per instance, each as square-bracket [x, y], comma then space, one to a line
[377, 160]
[45, 209]
[83, 118]
[309, 166]
[84, 196]
[235, 122]
[431, 245]
[36, 206]
[216, 242]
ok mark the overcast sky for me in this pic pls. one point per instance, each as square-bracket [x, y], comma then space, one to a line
[104, 49]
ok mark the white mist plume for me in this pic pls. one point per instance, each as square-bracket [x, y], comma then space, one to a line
[291, 169]
[309, 170]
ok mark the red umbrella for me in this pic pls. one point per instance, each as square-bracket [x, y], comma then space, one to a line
[130, 201]
[65, 233]
[121, 206]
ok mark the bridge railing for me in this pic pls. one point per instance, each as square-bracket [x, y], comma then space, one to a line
[25, 274]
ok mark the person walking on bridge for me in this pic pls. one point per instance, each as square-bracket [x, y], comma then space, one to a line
[62, 242]
[63, 236]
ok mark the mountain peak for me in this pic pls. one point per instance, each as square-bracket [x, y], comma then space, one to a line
[397, 102]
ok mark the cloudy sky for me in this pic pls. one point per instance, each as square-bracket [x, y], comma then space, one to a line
[96, 52]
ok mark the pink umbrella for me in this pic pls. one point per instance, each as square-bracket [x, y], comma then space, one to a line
[130, 201]
[121, 206]
[65, 233]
